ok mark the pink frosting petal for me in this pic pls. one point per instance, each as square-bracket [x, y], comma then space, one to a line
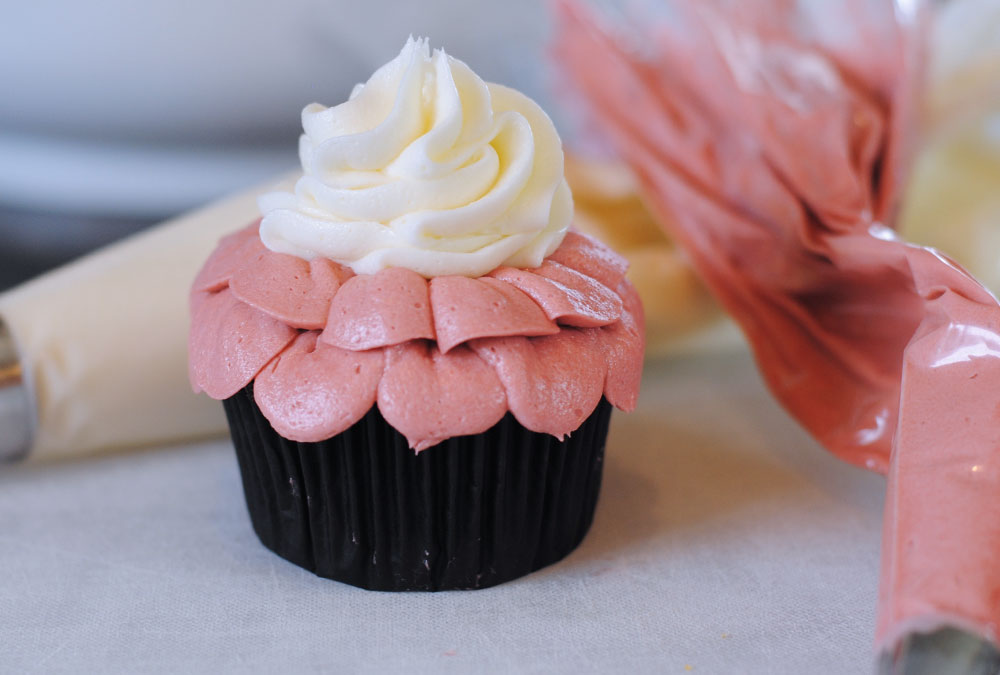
[429, 396]
[313, 391]
[383, 309]
[566, 296]
[230, 342]
[624, 343]
[443, 358]
[466, 308]
[219, 268]
[591, 257]
[287, 287]
[195, 301]
[553, 383]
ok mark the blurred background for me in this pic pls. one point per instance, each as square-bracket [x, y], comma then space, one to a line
[116, 114]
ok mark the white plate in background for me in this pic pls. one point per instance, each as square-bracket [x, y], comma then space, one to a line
[147, 109]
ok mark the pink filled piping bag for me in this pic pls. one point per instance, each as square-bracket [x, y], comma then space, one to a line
[774, 140]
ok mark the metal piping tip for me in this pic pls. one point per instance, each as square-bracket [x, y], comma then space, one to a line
[949, 651]
[17, 420]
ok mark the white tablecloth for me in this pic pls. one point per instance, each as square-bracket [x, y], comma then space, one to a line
[725, 541]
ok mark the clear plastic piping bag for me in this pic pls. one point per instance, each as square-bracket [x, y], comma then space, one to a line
[776, 136]
[93, 356]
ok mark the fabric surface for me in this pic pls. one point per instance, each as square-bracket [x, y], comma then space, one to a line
[726, 541]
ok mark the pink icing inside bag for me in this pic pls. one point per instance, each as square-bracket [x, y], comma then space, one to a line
[777, 154]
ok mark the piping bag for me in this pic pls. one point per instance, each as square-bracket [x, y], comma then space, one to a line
[773, 138]
[92, 354]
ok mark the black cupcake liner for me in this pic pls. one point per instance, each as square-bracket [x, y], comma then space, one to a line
[475, 511]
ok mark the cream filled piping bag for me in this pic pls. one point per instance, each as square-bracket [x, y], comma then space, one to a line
[93, 355]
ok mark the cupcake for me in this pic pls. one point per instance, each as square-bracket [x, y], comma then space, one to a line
[417, 354]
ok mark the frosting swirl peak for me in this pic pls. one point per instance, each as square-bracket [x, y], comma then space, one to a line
[427, 167]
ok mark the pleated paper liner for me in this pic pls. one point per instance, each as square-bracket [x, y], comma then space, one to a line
[475, 511]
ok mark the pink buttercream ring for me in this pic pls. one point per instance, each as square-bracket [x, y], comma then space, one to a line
[439, 358]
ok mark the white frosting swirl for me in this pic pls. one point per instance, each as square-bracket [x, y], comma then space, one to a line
[428, 167]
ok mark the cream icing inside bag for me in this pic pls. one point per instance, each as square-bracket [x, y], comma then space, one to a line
[101, 341]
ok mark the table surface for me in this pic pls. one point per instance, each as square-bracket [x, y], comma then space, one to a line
[726, 541]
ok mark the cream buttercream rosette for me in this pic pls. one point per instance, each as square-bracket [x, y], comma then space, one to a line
[427, 167]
